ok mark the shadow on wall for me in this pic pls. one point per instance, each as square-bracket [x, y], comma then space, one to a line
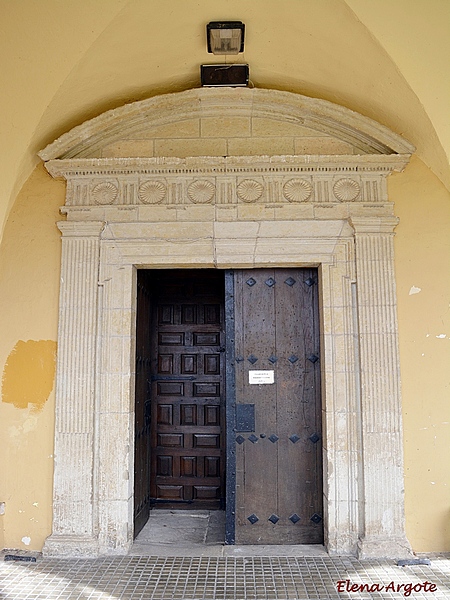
[29, 373]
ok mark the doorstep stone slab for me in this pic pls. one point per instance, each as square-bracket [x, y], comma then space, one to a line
[316, 550]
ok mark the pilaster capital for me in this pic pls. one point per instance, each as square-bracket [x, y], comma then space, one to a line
[81, 229]
[385, 224]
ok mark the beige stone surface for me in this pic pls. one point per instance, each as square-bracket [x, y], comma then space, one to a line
[263, 127]
[226, 213]
[187, 128]
[225, 127]
[191, 147]
[321, 145]
[256, 146]
[129, 148]
[294, 211]
[319, 115]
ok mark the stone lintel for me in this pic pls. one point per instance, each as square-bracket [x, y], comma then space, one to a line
[212, 165]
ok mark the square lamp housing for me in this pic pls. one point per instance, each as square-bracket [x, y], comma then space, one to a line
[224, 75]
[225, 37]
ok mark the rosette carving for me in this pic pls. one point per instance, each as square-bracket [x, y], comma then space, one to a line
[250, 190]
[297, 190]
[104, 193]
[346, 190]
[152, 192]
[201, 191]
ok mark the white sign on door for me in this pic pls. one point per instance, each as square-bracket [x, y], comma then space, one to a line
[261, 377]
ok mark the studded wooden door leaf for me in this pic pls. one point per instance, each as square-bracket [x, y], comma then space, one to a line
[279, 468]
[188, 393]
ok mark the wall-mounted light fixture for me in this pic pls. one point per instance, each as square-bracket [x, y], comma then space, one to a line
[224, 75]
[225, 37]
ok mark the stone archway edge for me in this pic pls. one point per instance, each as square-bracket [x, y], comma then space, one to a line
[323, 116]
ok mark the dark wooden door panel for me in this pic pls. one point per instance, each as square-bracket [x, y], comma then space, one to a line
[279, 469]
[142, 405]
[188, 395]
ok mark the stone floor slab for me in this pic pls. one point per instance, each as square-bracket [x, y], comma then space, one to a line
[222, 578]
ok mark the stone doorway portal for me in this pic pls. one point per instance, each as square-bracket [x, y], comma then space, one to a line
[242, 211]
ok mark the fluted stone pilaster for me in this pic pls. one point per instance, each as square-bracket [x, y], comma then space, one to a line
[74, 522]
[381, 424]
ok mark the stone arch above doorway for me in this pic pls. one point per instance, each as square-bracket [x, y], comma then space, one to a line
[226, 122]
[138, 196]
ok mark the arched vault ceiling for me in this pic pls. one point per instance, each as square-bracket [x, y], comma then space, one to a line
[66, 62]
[420, 48]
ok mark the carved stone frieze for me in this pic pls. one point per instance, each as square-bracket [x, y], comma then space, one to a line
[201, 191]
[250, 190]
[224, 181]
[297, 190]
[104, 193]
[152, 192]
[346, 190]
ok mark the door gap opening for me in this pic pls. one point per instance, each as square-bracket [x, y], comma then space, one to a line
[180, 392]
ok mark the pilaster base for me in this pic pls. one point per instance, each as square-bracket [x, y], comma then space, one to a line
[384, 547]
[65, 546]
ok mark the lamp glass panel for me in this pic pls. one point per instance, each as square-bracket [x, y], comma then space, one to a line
[225, 41]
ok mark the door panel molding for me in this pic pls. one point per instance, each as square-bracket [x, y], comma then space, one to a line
[187, 429]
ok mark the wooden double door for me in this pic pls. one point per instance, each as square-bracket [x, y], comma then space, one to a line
[255, 446]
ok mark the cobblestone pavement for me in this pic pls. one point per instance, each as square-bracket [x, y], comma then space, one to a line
[222, 578]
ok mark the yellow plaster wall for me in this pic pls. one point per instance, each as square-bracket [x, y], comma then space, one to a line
[29, 276]
[40, 43]
[420, 48]
[29, 374]
[422, 247]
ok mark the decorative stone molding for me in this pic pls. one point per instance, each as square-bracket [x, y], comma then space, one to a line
[104, 193]
[281, 180]
[346, 190]
[297, 190]
[228, 212]
[250, 190]
[201, 191]
[152, 192]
